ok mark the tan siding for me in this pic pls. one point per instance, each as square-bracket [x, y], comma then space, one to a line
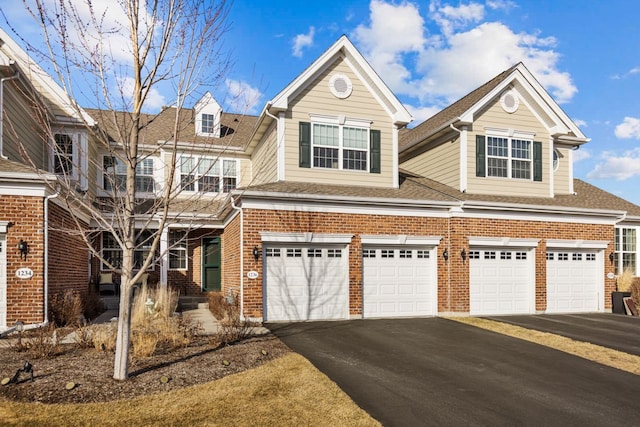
[317, 98]
[22, 130]
[561, 177]
[264, 162]
[522, 120]
[440, 163]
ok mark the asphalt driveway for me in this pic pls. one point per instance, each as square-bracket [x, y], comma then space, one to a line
[433, 371]
[605, 329]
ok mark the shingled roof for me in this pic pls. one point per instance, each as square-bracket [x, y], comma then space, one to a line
[234, 133]
[450, 113]
[424, 191]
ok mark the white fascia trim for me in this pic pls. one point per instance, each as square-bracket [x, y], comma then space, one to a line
[577, 244]
[538, 217]
[402, 240]
[399, 211]
[510, 132]
[464, 146]
[3, 226]
[22, 190]
[540, 209]
[394, 153]
[280, 145]
[270, 197]
[271, 237]
[503, 242]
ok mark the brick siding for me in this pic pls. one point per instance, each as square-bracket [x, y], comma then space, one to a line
[453, 276]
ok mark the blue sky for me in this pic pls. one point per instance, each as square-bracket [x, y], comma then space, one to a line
[430, 53]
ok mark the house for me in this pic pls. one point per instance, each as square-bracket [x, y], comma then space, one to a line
[37, 260]
[326, 206]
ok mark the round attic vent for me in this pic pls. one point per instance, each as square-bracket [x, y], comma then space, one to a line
[509, 101]
[340, 86]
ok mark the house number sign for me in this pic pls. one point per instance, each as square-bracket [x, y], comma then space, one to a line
[252, 274]
[24, 273]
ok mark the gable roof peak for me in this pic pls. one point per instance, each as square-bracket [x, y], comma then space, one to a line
[343, 46]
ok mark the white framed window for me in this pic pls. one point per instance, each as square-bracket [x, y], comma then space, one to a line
[625, 249]
[340, 143]
[68, 156]
[509, 157]
[208, 123]
[177, 250]
[114, 175]
[112, 252]
[207, 175]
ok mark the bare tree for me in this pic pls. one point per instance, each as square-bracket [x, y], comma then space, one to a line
[120, 58]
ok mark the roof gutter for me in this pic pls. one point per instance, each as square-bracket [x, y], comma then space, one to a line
[439, 129]
[351, 199]
[473, 204]
[2, 80]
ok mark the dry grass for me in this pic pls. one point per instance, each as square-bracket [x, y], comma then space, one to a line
[605, 356]
[287, 391]
[624, 280]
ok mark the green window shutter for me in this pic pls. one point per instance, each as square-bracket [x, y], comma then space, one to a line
[375, 151]
[537, 161]
[480, 156]
[305, 144]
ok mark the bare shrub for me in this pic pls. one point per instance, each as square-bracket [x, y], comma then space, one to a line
[217, 304]
[624, 280]
[233, 327]
[93, 306]
[66, 308]
[41, 343]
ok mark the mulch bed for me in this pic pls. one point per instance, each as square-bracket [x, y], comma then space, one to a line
[92, 370]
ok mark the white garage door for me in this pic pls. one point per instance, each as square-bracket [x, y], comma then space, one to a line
[398, 282]
[501, 281]
[306, 283]
[575, 281]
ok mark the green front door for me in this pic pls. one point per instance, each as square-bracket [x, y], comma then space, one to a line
[211, 264]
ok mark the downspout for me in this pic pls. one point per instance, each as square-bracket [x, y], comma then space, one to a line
[2, 80]
[46, 256]
[233, 205]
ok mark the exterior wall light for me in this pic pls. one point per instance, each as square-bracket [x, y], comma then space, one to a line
[256, 253]
[611, 257]
[463, 254]
[23, 248]
[445, 255]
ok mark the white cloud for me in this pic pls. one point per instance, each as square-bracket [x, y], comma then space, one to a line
[439, 67]
[394, 31]
[580, 123]
[243, 98]
[450, 18]
[501, 4]
[619, 168]
[628, 129]
[155, 100]
[580, 155]
[631, 72]
[421, 114]
[302, 41]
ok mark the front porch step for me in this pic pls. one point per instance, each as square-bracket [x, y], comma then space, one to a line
[184, 302]
[192, 302]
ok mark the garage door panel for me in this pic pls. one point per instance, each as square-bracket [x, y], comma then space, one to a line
[304, 283]
[575, 281]
[501, 281]
[397, 282]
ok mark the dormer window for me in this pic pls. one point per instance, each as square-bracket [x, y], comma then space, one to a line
[208, 123]
[208, 115]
